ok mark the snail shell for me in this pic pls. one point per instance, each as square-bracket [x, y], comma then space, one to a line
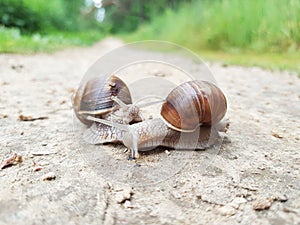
[192, 104]
[95, 97]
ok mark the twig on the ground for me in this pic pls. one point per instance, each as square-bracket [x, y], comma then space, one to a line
[30, 118]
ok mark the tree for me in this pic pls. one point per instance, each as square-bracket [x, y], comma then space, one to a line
[127, 15]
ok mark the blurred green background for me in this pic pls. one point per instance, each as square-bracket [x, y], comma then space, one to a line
[263, 33]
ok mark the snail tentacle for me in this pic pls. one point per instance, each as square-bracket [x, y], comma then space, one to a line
[118, 101]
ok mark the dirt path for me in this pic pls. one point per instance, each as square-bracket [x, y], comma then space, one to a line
[254, 179]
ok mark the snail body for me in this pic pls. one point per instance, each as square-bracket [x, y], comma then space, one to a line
[149, 134]
[191, 118]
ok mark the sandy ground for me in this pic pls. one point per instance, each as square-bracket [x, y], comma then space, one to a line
[253, 178]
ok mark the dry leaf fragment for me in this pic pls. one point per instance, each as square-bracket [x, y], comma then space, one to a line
[30, 118]
[10, 161]
[37, 168]
[274, 134]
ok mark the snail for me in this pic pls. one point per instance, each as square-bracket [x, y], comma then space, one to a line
[107, 98]
[192, 111]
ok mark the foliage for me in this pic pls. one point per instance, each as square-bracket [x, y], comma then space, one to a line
[44, 16]
[14, 13]
[53, 15]
[230, 25]
[127, 15]
[249, 32]
[273, 61]
[12, 41]
[30, 25]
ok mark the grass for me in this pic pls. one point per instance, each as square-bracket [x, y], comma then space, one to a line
[11, 41]
[270, 61]
[249, 32]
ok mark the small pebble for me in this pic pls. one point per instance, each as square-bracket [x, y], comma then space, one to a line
[208, 209]
[280, 197]
[167, 152]
[130, 158]
[177, 194]
[261, 167]
[70, 90]
[127, 204]
[275, 134]
[44, 163]
[19, 159]
[3, 116]
[107, 186]
[262, 203]
[234, 157]
[124, 195]
[227, 210]
[153, 214]
[49, 176]
[237, 202]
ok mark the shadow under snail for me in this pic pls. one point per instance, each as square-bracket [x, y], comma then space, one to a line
[191, 118]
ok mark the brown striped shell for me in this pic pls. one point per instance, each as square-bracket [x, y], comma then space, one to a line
[192, 104]
[94, 97]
